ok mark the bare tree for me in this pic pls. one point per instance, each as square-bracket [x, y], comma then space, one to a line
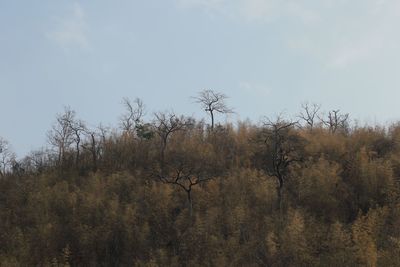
[179, 174]
[92, 145]
[7, 157]
[104, 135]
[61, 135]
[282, 151]
[336, 121]
[78, 128]
[66, 131]
[37, 160]
[185, 178]
[165, 124]
[134, 112]
[213, 102]
[103, 132]
[309, 114]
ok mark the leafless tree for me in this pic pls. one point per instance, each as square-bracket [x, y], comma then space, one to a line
[309, 114]
[336, 121]
[282, 150]
[78, 128]
[92, 145]
[134, 112]
[213, 102]
[165, 124]
[61, 135]
[37, 160]
[185, 178]
[67, 130]
[7, 157]
[103, 132]
[180, 174]
[103, 135]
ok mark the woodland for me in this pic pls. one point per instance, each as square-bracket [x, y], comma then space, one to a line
[312, 190]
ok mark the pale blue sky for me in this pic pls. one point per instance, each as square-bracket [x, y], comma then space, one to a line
[267, 55]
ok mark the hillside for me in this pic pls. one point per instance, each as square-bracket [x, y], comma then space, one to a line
[175, 191]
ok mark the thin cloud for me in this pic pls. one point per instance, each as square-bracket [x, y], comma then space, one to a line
[256, 10]
[253, 10]
[71, 31]
[350, 35]
[376, 36]
[335, 33]
[207, 4]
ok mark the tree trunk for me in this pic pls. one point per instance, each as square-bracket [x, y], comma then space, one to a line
[78, 141]
[279, 193]
[189, 196]
[162, 157]
[212, 120]
[94, 156]
[279, 190]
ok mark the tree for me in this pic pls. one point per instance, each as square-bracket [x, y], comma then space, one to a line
[92, 145]
[213, 102]
[166, 124]
[78, 128]
[282, 150]
[66, 131]
[132, 117]
[61, 135]
[309, 113]
[336, 121]
[37, 161]
[179, 171]
[7, 156]
[186, 178]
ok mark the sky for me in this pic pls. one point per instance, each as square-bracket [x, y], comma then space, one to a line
[268, 56]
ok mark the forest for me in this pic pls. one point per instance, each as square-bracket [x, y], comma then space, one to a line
[313, 189]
